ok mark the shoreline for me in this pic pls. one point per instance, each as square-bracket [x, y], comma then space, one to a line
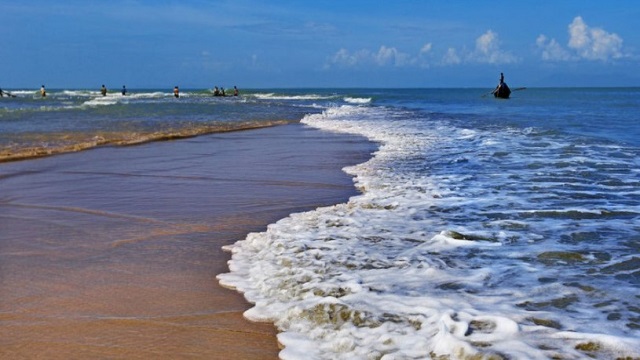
[113, 251]
[102, 139]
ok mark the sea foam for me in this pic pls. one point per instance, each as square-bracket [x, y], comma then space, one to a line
[386, 276]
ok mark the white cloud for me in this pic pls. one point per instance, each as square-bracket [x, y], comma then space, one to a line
[385, 56]
[342, 57]
[488, 50]
[426, 49]
[585, 43]
[551, 50]
[578, 34]
[451, 57]
[594, 43]
[425, 56]
[487, 43]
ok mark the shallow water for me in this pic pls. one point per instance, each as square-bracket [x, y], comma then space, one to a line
[73, 120]
[113, 252]
[505, 228]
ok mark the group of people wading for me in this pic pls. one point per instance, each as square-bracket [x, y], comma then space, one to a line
[221, 92]
[501, 91]
[104, 91]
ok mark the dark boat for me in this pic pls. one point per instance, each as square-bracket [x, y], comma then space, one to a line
[502, 91]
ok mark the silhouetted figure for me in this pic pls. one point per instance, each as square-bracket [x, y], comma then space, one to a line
[502, 90]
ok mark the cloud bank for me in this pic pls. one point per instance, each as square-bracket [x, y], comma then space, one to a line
[585, 43]
[487, 50]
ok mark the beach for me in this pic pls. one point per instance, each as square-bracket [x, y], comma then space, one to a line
[440, 223]
[113, 252]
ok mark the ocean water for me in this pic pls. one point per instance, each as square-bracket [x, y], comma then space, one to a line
[485, 228]
[497, 229]
[73, 120]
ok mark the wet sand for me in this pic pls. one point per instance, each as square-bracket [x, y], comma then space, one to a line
[112, 253]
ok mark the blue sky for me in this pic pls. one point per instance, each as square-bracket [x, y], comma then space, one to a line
[322, 43]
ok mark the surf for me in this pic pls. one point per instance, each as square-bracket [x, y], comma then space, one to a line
[450, 248]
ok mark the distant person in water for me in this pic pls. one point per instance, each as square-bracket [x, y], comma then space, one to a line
[124, 90]
[500, 83]
[222, 93]
[502, 90]
[216, 92]
[6, 93]
[103, 90]
[43, 91]
[235, 91]
[176, 92]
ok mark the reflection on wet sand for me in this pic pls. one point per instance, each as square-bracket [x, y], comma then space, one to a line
[27, 146]
[112, 253]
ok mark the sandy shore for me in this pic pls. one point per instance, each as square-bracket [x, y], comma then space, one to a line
[113, 252]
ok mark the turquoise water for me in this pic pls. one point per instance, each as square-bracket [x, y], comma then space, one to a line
[485, 227]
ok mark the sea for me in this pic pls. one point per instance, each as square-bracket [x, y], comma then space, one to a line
[484, 228]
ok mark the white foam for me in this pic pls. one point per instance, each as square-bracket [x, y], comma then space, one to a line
[80, 93]
[23, 92]
[150, 95]
[352, 100]
[101, 101]
[393, 274]
[273, 96]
